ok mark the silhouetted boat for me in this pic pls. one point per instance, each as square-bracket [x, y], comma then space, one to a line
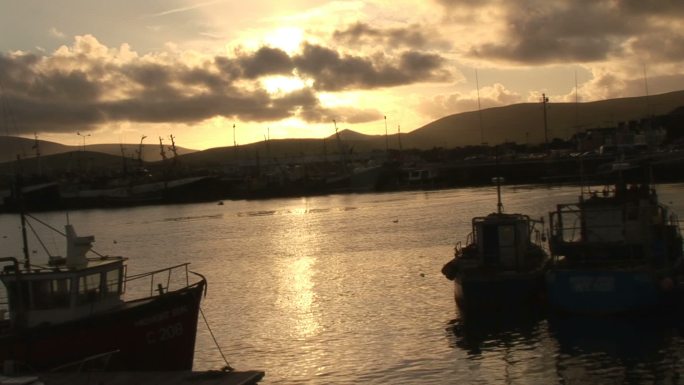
[73, 309]
[614, 251]
[502, 264]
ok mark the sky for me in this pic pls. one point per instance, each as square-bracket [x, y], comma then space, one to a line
[217, 72]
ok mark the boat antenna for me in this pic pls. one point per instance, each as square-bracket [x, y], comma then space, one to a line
[162, 151]
[174, 151]
[140, 151]
[499, 205]
[22, 216]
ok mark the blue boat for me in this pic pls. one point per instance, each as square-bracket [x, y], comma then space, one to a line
[613, 252]
[502, 264]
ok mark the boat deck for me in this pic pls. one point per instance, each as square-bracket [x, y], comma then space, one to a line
[212, 377]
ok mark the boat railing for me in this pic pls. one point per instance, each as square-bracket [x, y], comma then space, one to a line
[566, 226]
[162, 280]
[4, 305]
[458, 248]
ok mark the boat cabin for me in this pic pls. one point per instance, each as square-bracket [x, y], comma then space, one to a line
[503, 241]
[69, 288]
[618, 224]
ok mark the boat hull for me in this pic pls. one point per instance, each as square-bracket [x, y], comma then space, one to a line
[152, 334]
[501, 291]
[609, 291]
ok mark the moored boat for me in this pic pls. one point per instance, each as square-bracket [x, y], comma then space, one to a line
[77, 308]
[613, 252]
[502, 264]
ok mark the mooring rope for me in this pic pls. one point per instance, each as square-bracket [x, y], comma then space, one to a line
[226, 368]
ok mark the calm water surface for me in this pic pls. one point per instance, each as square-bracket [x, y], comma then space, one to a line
[347, 289]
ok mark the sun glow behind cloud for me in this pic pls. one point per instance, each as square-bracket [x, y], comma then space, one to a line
[283, 84]
[288, 39]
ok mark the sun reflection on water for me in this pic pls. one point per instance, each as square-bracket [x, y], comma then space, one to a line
[296, 273]
[297, 296]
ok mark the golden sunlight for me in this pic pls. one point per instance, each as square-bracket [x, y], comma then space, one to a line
[297, 292]
[282, 84]
[287, 38]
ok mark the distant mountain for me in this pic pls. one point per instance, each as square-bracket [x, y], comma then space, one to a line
[524, 123]
[11, 146]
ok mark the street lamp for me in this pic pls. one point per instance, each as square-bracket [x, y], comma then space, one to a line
[84, 137]
[544, 101]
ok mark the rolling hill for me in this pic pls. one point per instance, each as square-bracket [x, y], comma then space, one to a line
[522, 123]
[11, 146]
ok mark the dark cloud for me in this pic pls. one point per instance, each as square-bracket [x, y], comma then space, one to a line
[669, 8]
[155, 80]
[544, 32]
[547, 33]
[670, 46]
[81, 89]
[349, 115]
[412, 36]
[332, 71]
[266, 61]
[57, 85]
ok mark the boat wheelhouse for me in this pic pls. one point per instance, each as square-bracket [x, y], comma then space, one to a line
[614, 251]
[502, 264]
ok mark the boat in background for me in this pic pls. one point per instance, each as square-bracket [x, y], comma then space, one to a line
[615, 251]
[502, 265]
[77, 308]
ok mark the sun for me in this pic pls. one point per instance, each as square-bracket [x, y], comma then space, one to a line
[280, 85]
[288, 39]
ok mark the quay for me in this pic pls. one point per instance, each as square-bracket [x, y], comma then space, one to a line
[211, 377]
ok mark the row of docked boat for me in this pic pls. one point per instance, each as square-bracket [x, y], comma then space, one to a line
[614, 251]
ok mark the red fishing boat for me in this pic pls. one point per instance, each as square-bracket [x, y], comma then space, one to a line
[78, 309]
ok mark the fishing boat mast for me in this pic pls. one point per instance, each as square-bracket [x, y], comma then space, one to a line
[140, 151]
[499, 205]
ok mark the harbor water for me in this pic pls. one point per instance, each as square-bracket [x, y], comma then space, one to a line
[346, 289]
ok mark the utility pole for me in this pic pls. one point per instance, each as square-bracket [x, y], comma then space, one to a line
[479, 108]
[545, 100]
[36, 146]
[235, 145]
[84, 136]
[386, 137]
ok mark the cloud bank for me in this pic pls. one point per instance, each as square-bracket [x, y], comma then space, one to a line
[88, 84]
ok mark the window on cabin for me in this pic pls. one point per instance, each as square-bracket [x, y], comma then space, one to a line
[113, 282]
[50, 294]
[507, 245]
[89, 289]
